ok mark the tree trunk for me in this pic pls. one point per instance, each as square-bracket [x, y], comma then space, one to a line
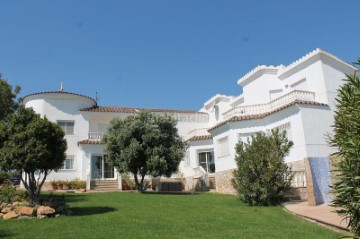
[137, 184]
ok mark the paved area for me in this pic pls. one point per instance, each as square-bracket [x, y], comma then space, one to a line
[323, 213]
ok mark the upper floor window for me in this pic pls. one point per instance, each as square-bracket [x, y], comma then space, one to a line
[223, 147]
[67, 126]
[284, 127]
[246, 137]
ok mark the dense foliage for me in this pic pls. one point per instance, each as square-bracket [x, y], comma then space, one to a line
[347, 139]
[262, 177]
[144, 144]
[33, 146]
[8, 102]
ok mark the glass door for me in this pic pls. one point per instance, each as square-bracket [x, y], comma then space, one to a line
[207, 161]
[100, 169]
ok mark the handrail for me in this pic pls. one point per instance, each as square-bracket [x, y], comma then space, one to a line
[202, 174]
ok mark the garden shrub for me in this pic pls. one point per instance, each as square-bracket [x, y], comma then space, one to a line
[262, 177]
[347, 139]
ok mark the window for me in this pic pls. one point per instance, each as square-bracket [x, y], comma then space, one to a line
[67, 126]
[245, 137]
[285, 127]
[187, 158]
[207, 161]
[69, 162]
[223, 147]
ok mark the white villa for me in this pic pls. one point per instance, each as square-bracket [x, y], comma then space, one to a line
[298, 98]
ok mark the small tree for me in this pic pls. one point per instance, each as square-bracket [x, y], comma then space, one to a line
[144, 144]
[347, 139]
[262, 177]
[32, 145]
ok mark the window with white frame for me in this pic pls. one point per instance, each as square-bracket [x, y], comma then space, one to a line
[187, 158]
[284, 127]
[223, 147]
[245, 137]
[67, 126]
[68, 163]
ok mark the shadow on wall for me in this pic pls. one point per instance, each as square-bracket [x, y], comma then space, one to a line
[320, 171]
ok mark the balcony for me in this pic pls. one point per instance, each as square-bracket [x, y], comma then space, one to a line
[95, 136]
[197, 132]
[248, 110]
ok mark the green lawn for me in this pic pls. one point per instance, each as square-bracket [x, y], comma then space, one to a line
[134, 215]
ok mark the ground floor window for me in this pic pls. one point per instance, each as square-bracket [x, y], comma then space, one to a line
[207, 161]
[69, 162]
[100, 169]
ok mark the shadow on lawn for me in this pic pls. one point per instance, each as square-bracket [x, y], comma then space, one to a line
[74, 198]
[86, 211]
[5, 234]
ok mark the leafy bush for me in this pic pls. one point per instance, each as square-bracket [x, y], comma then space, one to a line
[127, 183]
[9, 194]
[71, 184]
[347, 139]
[262, 177]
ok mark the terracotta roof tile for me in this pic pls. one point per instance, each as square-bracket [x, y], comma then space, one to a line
[259, 116]
[114, 109]
[201, 137]
[88, 141]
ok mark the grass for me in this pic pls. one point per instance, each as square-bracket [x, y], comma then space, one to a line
[134, 215]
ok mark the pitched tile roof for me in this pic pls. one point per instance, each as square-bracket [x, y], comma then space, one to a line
[259, 116]
[114, 109]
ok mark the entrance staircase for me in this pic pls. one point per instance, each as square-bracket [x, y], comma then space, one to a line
[104, 185]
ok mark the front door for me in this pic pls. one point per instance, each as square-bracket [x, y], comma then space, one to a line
[100, 169]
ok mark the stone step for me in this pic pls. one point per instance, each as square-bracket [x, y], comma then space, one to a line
[104, 185]
[105, 189]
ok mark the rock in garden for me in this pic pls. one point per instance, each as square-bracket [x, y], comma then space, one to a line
[44, 210]
[27, 211]
[41, 216]
[10, 215]
[6, 210]
[3, 205]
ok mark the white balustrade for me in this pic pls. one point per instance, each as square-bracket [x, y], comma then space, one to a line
[95, 136]
[299, 179]
[197, 132]
[271, 106]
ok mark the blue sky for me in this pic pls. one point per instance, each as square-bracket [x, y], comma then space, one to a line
[163, 53]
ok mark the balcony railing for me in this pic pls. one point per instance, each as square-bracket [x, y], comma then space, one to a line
[271, 106]
[95, 136]
[299, 179]
[197, 132]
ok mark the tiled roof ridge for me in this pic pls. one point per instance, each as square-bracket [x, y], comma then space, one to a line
[260, 116]
[59, 92]
[120, 109]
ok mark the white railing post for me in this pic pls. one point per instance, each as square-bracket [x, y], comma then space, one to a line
[119, 181]
[88, 181]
